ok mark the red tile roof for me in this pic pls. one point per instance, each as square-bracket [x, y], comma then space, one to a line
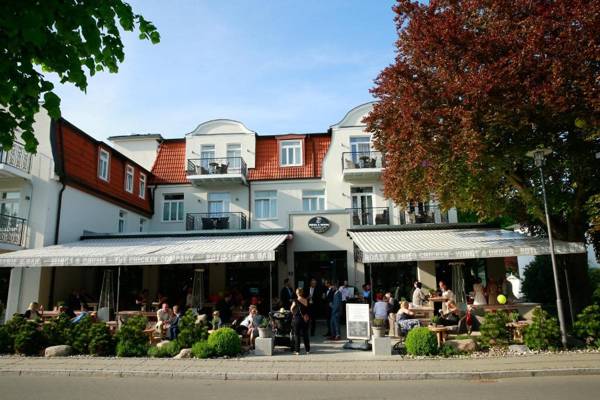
[267, 158]
[170, 164]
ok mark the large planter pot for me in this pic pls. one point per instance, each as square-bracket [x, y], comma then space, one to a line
[378, 331]
[264, 333]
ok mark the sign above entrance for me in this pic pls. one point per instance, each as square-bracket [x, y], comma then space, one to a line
[319, 224]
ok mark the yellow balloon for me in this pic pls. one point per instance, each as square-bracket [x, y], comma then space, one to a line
[501, 299]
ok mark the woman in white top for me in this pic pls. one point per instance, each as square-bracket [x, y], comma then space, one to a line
[479, 299]
[418, 297]
[446, 294]
[380, 308]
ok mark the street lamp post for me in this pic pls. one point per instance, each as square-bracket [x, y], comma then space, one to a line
[539, 156]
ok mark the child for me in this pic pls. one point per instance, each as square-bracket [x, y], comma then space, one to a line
[216, 321]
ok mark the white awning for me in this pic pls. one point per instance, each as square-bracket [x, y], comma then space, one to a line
[149, 251]
[452, 244]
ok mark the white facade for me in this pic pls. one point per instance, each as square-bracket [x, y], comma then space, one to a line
[140, 148]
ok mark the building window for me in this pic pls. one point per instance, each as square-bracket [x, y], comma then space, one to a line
[173, 207]
[129, 178]
[142, 187]
[234, 157]
[103, 164]
[207, 155]
[290, 153]
[360, 146]
[218, 203]
[142, 224]
[265, 204]
[9, 207]
[122, 221]
[313, 200]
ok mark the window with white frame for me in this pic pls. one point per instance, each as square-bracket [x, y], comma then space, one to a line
[172, 207]
[313, 200]
[129, 171]
[207, 155]
[142, 224]
[234, 156]
[265, 204]
[103, 164]
[218, 203]
[122, 221]
[142, 187]
[290, 153]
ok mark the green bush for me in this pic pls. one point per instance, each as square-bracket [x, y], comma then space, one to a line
[587, 326]
[58, 330]
[131, 339]
[101, 342]
[30, 339]
[6, 341]
[189, 331]
[171, 349]
[493, 330]
[202, 350]
[543, 333]
[421, 342]
[225, 342]
[448, 351]
[79, 335]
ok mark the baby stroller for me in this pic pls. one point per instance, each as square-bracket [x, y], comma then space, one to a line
[281, 323]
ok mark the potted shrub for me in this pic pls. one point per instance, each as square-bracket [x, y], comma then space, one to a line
[264, 329]
[435, 320]
[378, 327]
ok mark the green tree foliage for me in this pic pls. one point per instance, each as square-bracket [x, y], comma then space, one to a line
[6, 341]
[587, 326]
[131, 339]
[421, 342]
[189, 331]
[474, 87]
[73, 39]
[101, 342]
[493, 329]
[543, 333]
[538, 281]
[30, 339]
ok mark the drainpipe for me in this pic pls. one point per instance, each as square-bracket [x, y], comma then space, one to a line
[249, 204]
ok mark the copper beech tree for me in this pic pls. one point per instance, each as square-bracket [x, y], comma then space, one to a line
[477, 84]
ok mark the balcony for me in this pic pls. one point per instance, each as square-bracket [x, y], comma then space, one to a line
[423, 214]
[15, 163]
[12, 230]
[362, 165]
[215, 221]
[369, 216]
[205, 171]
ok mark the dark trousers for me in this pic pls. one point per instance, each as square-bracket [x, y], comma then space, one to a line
[328, 315]
[300, 331]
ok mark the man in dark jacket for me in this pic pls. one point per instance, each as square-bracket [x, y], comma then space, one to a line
[328, 299]
[313, 295]
[287, 294]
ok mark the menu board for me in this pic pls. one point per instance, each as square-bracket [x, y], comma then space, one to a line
[357, 321]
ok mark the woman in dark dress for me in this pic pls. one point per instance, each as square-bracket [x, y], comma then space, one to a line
[300, 321]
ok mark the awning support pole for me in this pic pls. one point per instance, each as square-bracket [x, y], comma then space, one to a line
[371, 284]
[118, 291]
[270, 286]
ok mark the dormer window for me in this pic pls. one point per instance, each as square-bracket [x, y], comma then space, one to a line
[129, 173]
[103, 164]
[290, 153]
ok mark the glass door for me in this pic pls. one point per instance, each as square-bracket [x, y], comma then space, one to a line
[362, 205]
[234, 157]
[360, 148]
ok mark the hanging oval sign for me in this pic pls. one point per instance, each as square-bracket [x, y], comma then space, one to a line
[319, 224]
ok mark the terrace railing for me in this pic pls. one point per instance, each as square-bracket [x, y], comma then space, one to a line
[215, 221]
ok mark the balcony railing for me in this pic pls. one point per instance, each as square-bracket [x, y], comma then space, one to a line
[370, 216]
[212, 221]
[362, 160]
[217, 166]
[16, 157]
[12, 229]
[423, 214]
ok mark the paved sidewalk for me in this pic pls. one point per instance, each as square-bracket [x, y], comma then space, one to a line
[348, 366]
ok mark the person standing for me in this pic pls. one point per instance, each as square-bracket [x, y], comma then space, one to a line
[314, 302]
[336, 313]
[328, 299]
[300, 321]
[447, 295]
[287, 294]
[418, 297]
[479, 296]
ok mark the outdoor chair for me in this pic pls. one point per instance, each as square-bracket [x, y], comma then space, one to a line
[208, 223]
[222, 223]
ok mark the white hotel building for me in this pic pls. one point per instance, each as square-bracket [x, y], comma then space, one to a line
[243, 207]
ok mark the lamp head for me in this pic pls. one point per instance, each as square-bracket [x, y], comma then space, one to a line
[539, 155]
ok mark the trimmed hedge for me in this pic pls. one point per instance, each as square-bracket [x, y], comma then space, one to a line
[421, 342]
[225, 342]
[493, 330]
[543, 333]
[131, 339]
[587, 327]
[202, 350]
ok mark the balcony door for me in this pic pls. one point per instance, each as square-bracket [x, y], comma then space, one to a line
[218, 203]
[362, 205]
[234, 157]
[207, 155]
[360, 146]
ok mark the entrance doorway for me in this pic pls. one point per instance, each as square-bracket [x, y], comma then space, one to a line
[320, 265]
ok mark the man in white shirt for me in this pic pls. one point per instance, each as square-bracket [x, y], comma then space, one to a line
[418, 297]
[446, 294]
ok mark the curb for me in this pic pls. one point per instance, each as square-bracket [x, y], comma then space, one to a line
[299, 376]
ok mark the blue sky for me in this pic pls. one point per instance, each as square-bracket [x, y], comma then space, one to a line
[277, 66]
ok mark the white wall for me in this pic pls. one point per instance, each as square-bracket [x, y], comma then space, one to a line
[141, 150]
[220, 133]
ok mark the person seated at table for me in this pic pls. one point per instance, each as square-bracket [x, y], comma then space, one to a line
[452, 316]
[174, 323]
[142, 299]
[251, 323]
[405, 318]
[163, 316]
[216, 320]
[63, 309]
[85, 311]
[380, 308]
[447, 295]
[34, 311]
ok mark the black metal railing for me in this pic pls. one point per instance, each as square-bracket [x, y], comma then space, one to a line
[422, 213]
[217, 166]
[362, 159]
[369, 216]
[16, 157]
[216, 220]
[12, 229]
